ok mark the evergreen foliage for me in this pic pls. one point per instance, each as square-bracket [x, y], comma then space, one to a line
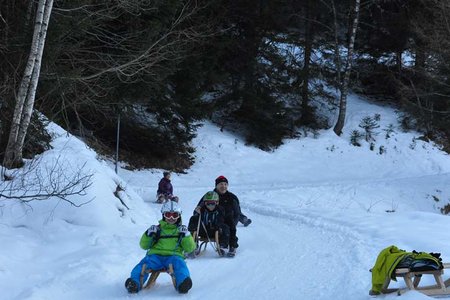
[369, 124]
[355, 138]
[253, 67]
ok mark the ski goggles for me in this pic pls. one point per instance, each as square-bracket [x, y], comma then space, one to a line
[210, 203]
[171, 215]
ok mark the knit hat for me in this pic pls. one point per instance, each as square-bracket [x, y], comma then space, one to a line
[220, 179]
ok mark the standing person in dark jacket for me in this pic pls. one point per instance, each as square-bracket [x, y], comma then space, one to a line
[165, 189]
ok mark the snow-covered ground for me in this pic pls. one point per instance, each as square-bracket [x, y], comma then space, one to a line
[322, 210]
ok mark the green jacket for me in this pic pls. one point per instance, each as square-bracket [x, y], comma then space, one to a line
[169, 242]
[386, 262]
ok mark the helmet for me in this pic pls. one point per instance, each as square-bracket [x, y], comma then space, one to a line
[171, 206]
[171, 212]
[211, 196]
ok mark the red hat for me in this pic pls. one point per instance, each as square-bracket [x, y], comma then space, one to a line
[220, 179]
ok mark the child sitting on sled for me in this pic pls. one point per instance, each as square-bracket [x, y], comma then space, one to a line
[166, 244]
[209, 219]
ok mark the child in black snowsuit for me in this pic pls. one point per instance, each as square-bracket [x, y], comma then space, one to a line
[212, 218]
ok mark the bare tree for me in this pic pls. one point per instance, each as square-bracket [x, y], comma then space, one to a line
[27, 90]
[345, 81]
[37, 182]
[100, 57]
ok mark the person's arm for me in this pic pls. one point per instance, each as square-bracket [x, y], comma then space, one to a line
[169, 188]
[148, 237]
[193, 221]
[236, 210]
[237, 201]
[188, 244]
[166, 188]
[200, 204]
[160, 187]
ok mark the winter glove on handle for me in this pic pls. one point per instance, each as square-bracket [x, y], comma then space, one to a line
[183, 230]
[152, 230]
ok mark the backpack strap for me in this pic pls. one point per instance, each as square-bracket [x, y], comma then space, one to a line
[157, 235]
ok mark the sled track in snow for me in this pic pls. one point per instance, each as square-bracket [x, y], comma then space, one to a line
[311, 219]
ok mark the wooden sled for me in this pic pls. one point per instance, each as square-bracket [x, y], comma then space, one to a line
[202, 242]
[154, 275]
[412, 280]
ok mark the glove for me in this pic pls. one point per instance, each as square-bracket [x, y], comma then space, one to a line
[183, 230]
[152, 230]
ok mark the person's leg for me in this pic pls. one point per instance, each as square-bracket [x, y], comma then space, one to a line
[203, 233]
[233, 237]
[224, 236]
[181, 272]
[152, 262]
[193, 222]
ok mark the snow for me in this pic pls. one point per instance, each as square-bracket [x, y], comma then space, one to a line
[321, 208]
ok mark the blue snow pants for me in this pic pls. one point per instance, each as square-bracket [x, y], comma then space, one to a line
[158, 262]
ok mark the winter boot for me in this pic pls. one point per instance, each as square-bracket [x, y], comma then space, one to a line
[231, 252]
[223, 250]
[131, 286]
[247, 222]
[185, 286]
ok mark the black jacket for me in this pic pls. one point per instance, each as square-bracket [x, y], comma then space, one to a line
[213, 220]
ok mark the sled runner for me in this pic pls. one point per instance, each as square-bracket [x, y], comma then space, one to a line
[412, 280]
[202, 242]
[154, 275]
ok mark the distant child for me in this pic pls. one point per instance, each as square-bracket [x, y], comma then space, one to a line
[165, 189]
[212, 219]
[166, 244]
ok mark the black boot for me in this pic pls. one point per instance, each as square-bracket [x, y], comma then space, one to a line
[185, 286]
[223, 250]
[131, 286]
[231, 252]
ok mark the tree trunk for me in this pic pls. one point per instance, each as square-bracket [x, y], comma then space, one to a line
[419, 62]
[27, 90]
[398, 59]
[337, 53]
[344, 86]
[309, 37]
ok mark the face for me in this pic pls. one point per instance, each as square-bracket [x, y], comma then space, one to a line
[222, 187]
[171, 217]
[168, 176]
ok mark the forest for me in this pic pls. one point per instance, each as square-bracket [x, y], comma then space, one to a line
[255, 67]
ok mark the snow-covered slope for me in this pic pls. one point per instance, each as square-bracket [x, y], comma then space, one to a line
[322, 210]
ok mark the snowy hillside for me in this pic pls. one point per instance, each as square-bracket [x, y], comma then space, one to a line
[322, 210]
